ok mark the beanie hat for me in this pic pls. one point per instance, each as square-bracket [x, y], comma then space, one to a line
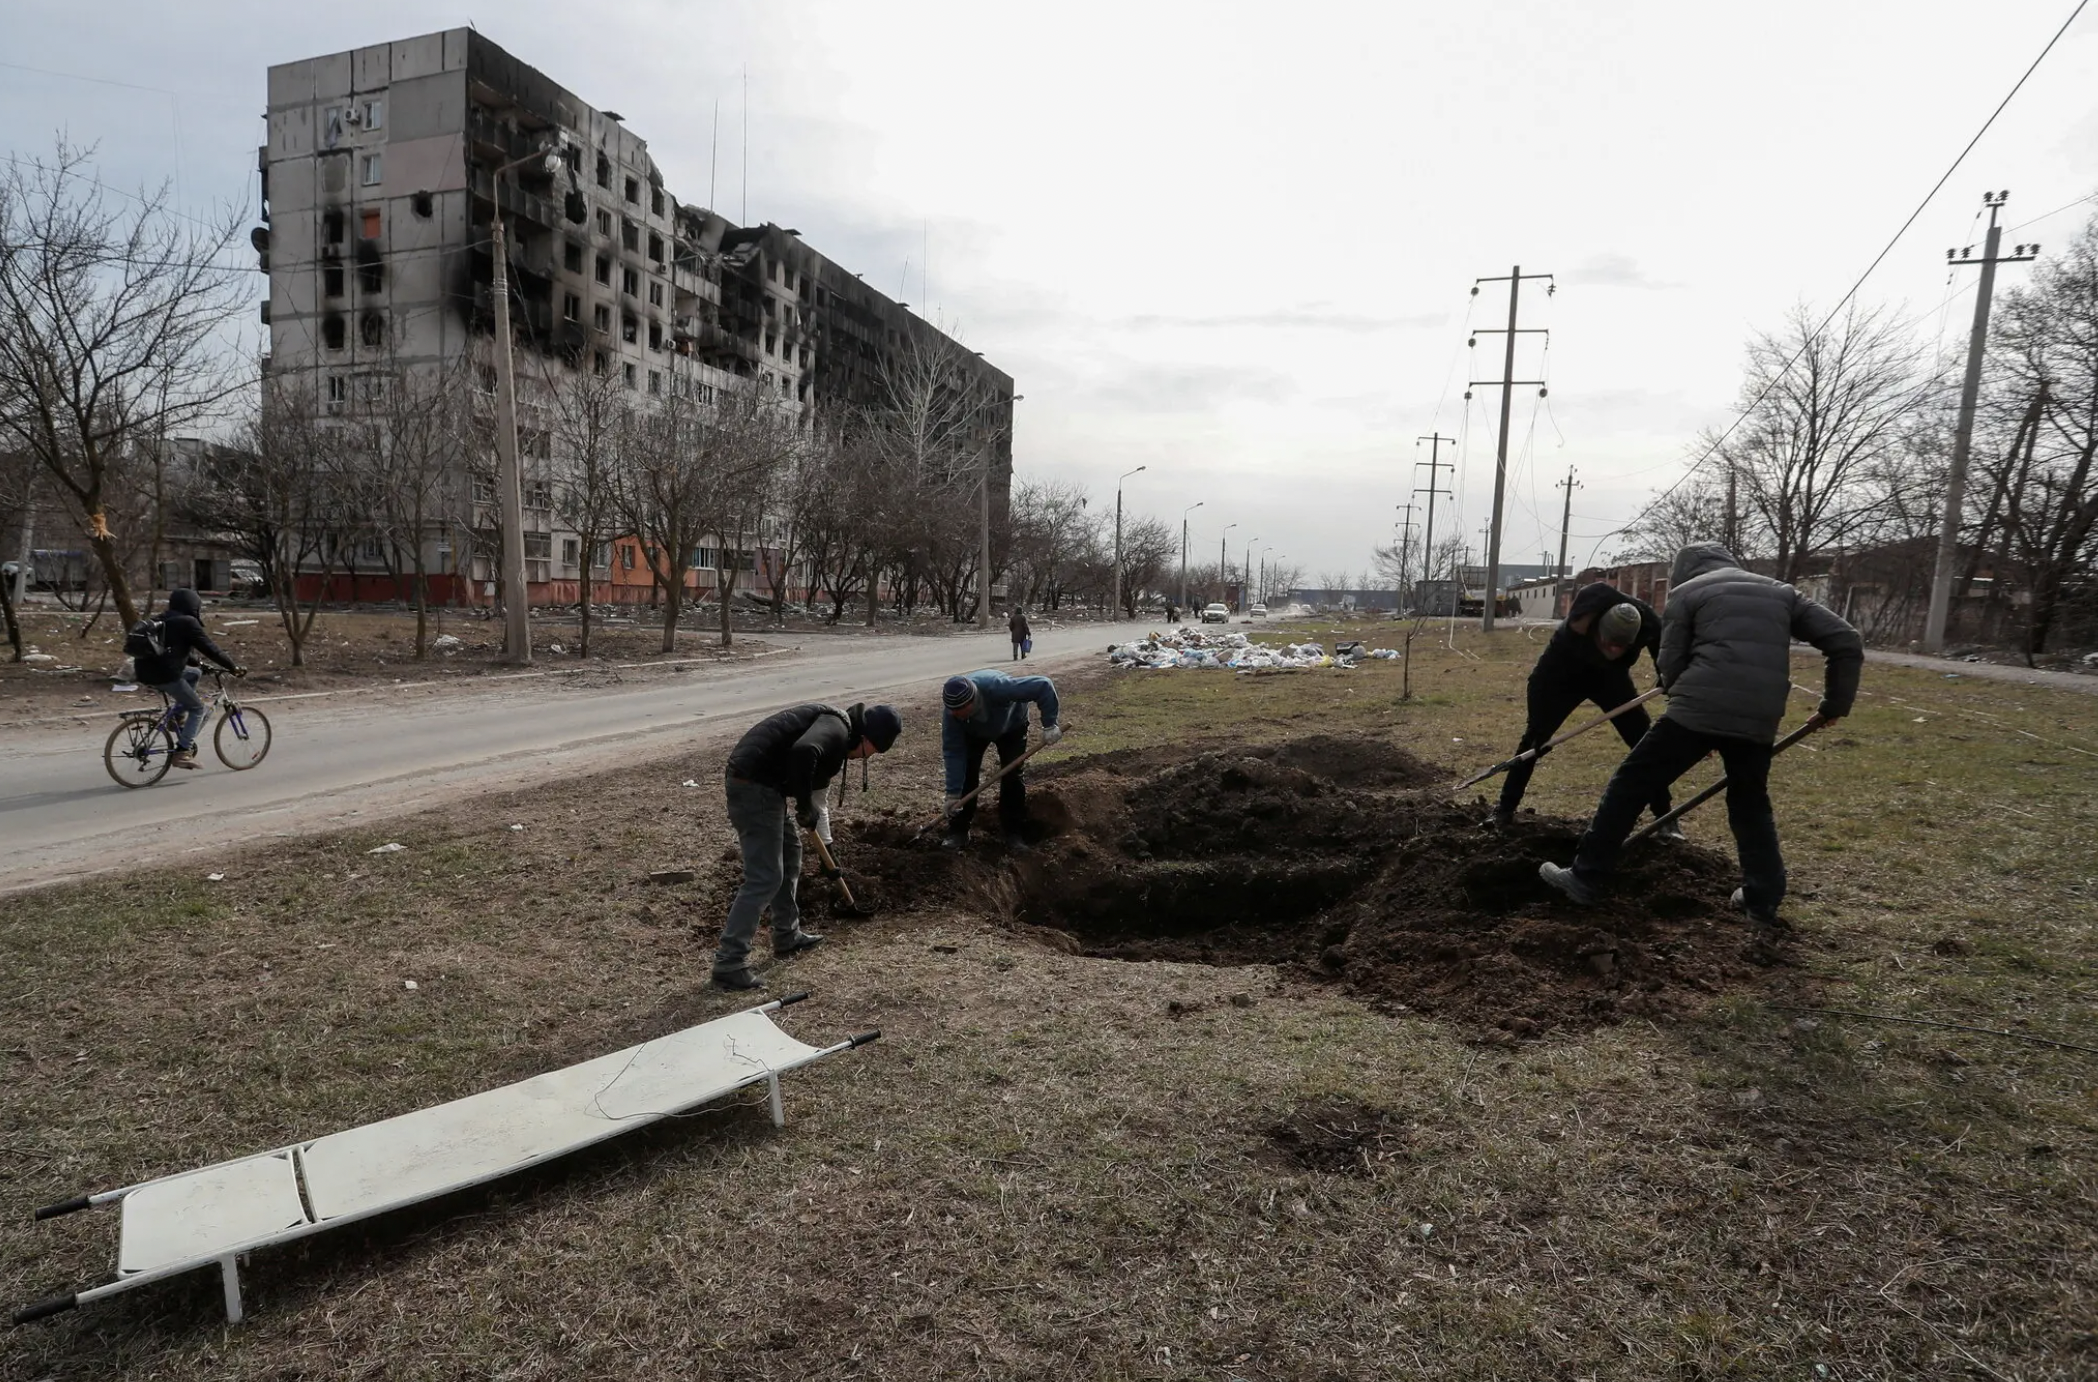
[1619, 624]
[881, 724]
[958, 694]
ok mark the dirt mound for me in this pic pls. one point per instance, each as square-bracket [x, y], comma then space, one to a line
[1346, 862]
[1341, 1138]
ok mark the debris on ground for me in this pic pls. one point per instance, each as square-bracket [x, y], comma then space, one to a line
[1198, 648]
[1343, 862]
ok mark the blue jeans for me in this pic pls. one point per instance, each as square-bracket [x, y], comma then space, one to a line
[183, 693]
[771, 844]
[1665, 754]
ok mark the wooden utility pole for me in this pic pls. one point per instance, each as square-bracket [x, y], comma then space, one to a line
[1506, 383]
[1945, 573]
[1406, 527]
[1569, 484]
[1434, 463]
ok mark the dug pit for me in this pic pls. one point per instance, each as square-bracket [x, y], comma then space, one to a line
[1345, 862]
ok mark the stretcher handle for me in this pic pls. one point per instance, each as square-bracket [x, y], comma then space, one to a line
[863, 1039]
[52, 1306]
[72, 1206]
[790, 999]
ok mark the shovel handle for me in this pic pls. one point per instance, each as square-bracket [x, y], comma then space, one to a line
[1716, 788]
[831, 869]
[1603, 719]
[991, 781]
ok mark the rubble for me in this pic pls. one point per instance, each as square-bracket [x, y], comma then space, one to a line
[1233, 651]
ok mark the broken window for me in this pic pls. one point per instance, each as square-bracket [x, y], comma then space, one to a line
[770, 342]
[629, 235]
[629, 328]
[484, 490]
[601, 317]
[338, 389]
[629, 282]
[655, 295]
[333, 331]
[655, 201]
[571, 307]
[627, 375]
[604, 269]
[601, 363]
[604, 171]
[571, 550]
[604, 223]
[655, 382]
[655, 336]
[372, 169]
[539, 545]
[331, 226]
[633, 189]
[572, 257]
[372, 327]
[424, 204]
[538, 494]
[655, 248]
[331, 280]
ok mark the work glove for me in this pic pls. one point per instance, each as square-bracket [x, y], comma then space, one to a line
[954, 805]
[806, 813]
[1050, 734]
[822, 826]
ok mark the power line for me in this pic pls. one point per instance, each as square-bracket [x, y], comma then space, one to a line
[1808, 343]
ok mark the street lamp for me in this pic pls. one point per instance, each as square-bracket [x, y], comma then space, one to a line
[1243, 603]
[517, 605]
[1223, 566]
[1118, 535]
[1183, 551]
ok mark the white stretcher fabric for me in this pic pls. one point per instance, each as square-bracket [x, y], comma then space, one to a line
[432, 1150]
[214, 1210]
[202, 1213]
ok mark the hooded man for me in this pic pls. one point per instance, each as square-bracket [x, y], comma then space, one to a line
[169, 672]
[982, 709]
[793, 754]
[1726, 664]
[1589, 658]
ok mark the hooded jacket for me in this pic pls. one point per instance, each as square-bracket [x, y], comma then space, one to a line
[1577, 656]
[797, 751]
[1001, 708]
[1726, 647]
[181, 634]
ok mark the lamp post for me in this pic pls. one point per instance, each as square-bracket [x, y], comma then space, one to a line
[1118, 535]
[1183, 551]
[1270, 566]
[983, 532]
[1245, 585]
[1223, 566]
[517, 606]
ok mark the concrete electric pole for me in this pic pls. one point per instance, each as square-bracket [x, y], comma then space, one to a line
[1434, 463]
[1943, 575]
[1569, 484]
[1506, 383]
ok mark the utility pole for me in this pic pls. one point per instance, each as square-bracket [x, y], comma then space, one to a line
[1944, 574]
[1434, 463]
[1506, 383]
[1118, 537]
[1223, 566]
[1406, 526]
[1570, 484]
[1183, 551]
[517, 612]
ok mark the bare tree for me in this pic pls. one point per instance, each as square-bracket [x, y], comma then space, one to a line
[594, 436]
[400, 453]
[1693, 511]
[1821, 408]
[110, 331]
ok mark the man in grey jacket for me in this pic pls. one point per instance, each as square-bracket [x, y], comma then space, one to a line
[1726, 664]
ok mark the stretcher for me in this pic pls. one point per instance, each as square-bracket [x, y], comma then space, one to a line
[213, 1215]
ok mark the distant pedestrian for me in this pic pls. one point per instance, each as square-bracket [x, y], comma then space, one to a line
[1017, 626]
[793, 754]
[1726, 664]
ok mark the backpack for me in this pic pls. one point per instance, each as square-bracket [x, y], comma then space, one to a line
[148, 638]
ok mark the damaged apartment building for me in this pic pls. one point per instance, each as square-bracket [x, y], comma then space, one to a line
[384, 170]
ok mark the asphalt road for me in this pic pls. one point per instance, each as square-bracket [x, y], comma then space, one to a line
[352, 759]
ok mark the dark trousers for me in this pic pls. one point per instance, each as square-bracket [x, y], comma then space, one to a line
[1552, 699]
[1664, 755]
[1012, 792]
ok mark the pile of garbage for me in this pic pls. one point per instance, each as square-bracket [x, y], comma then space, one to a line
[1197, 648]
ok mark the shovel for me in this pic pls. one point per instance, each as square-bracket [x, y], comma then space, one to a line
[1716, 788]
[968, 797]
[1603, 719]
[852, 905]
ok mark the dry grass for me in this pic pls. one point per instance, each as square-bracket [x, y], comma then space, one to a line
[1061, 1167]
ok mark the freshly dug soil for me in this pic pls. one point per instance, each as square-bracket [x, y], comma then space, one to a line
[1345, 862]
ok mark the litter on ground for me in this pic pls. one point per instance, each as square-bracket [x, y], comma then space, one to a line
[1198, 648]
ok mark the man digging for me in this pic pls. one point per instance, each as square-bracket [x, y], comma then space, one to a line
[1589, 658]
[982, 709]
[793, 754]
[1726, 664]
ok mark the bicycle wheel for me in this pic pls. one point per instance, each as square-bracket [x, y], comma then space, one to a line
[138, 751]
[242, 738]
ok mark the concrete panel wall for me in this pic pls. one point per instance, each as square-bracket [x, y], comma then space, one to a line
[435, 164]
[422, 56]
[424, 106]
[331, 77]
[372, 68]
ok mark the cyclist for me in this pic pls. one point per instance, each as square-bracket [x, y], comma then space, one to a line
[170, 671]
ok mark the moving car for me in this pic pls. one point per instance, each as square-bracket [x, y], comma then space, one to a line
[1215, 614]
[1260, 611]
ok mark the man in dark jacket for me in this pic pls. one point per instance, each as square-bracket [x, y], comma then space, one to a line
[986, 708]
[1726, 663]
[1589, 658]
[181, 637]
[793, 754]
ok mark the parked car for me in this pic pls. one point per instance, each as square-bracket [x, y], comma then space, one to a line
[1216, 614]
[1260, 611]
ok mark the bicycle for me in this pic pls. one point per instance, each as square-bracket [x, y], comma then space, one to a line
[141, 748]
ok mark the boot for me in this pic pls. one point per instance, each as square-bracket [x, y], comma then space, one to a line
[1565, 883]
[1672, 833]
[956, 839]
[1739, 902]
[183, 758]
[736, 980]
[801, 940]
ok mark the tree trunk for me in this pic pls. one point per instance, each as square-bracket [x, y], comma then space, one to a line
[105, 550]
[422, 608]
[7, 607]
[724, 589]
[673, 600]
[588, 543]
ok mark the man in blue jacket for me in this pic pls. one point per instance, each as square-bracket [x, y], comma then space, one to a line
[1726, 663]
[1589, 658]
[982, 709]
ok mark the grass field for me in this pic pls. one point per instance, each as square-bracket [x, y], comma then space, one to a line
[1060, 1167]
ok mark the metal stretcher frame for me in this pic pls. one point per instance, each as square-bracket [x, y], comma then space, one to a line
[212, 1215]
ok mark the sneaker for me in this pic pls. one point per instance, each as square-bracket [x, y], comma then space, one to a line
[183, 758]
[956, 840]
[1740, 904]
[1563, 881]
[736, 980]
[1672, 832]
[794, 944]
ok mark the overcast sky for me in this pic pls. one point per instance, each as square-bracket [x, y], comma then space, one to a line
[1236, 243]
